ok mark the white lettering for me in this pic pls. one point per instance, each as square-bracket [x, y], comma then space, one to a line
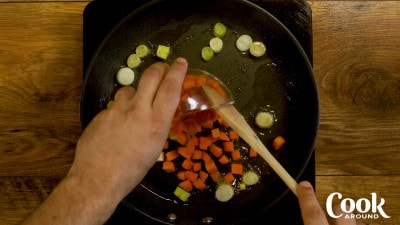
[376, 207]
[367, 205]
[362, 206]
[348, 202]
[329, 207]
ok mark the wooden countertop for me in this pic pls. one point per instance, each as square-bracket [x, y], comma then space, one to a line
[356, 60]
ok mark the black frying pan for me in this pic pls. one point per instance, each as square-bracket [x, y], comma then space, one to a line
[282, 82]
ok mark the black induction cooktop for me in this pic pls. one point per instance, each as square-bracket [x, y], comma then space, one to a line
[100, 16]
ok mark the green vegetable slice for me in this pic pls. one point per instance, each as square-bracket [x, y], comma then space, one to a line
[181, 194]
[207, 53]
[142, 51]
[219, 30]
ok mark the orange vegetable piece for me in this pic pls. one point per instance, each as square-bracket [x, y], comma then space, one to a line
[182, 138]
[224, 137]
[199, 184]
[189, 82]
[205, 142]
[236, 155]
[228, 146]
[229, 177]
[200, 81]
[252, 153]
[193, 141]
[215, 176]
[181, 175]
[211, 167]
[186, 151]
[197, 154]
[171, 155]
[203, 175]
[168, 166]
[187, 164]
[190, 175]
[233, 135]
[186, 185]
[278, 142]
[206, 157]
[216, 151]
[237, 168]
[215, 133]
[223, 159]
[191, 127]
[196, 166]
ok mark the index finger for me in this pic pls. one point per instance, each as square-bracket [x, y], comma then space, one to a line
[311, 211]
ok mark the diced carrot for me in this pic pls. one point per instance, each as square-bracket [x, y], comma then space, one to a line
[191, 127]
[229, 177]
[168, 166]
[215, 133]
[236, 155]
[228, 146]
[186, 151]
[190, 175]
[224, 137]
[222, 122]
[187, 164]
[201, 80]
[171, 155]
[181, 175]
[199, 184]
[189, 82]
[208, 124]
[211, 166]
[215, 176]
[237, 168]
[278, 142]
[203, 175]
[233, 135]
[197, 154]
[206, 157]
[216, 151]
[223, 159]
[252, 153]
[196, 166]
[193, 141]
[205, 142]
[166, 144]
[182, 138]
[186, 185]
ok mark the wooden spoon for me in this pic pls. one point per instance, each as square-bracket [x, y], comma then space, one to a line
[237, 122]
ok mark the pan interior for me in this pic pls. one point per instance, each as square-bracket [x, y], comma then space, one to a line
[281, 82]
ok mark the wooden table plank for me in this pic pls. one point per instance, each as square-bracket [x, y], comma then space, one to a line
[356, 61]
[39, 114]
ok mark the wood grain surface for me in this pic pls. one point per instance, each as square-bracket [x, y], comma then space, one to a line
[356, 49]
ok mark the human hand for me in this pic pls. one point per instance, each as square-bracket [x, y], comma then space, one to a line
[312, 212]
[123, 142]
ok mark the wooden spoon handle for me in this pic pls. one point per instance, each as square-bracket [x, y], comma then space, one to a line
[237, 122]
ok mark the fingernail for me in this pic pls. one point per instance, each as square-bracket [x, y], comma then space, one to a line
[181, 60]
[305, 184]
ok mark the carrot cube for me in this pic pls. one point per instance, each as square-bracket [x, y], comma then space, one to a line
[223, 159]
[171, 155]
[196, 166]
[186, 185]
[187, 164]
[237, 168]
[216, 151]
[236, 155]
[199, 184]
[203, 175]
[215, 176]
[168, 166]
[224, 137]
[252, 153]
[228, 146]
[229, 177]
